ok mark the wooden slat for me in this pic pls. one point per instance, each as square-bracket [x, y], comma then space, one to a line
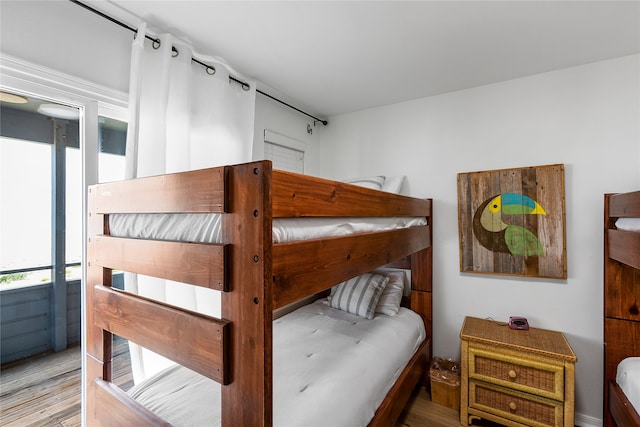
[624, 246]
[116, 408]
[193, 340]
[198, 264]
[194, 191]
[296, 195]
[337, 259]
[625, 205]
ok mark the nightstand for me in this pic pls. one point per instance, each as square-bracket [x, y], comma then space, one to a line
[516, 377]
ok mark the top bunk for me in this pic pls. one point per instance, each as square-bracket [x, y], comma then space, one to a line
[374, 228]
[622, 228]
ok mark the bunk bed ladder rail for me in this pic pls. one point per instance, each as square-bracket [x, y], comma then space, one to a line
[199, 342]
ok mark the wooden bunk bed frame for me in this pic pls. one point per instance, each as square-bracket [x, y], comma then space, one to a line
[621, 299]
[255, 276]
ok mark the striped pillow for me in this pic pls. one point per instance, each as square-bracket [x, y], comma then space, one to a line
[391, 297]
[359, 295]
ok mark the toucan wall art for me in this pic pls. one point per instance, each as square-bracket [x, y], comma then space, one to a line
[512, 221]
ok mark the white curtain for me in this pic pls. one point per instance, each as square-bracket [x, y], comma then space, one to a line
[183, 116]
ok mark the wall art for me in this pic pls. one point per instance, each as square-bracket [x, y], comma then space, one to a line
[512, 221]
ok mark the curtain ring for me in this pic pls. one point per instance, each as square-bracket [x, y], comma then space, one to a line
[156, 44]
[174, 52]
[210, 70]
[245, 87]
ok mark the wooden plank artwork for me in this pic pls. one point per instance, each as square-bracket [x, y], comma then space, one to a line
[512, 222]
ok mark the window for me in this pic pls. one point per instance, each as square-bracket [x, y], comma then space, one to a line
[40, 191]
[33, 146]
[112, 139]
[285, 153]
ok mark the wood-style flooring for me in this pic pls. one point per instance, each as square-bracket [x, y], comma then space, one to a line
[45, 391]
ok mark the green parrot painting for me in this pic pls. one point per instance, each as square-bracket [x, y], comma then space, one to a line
[496, 235]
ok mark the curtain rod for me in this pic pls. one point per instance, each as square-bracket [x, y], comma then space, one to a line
[157, 41]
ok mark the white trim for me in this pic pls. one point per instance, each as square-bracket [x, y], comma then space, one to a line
[283, 140]
[41, 81]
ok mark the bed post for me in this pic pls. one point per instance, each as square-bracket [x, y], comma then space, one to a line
[98, 352]
[247, 400]
[421, 283]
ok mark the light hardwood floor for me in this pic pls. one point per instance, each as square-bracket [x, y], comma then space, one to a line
[45, 391]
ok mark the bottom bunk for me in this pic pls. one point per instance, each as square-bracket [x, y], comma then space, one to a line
[624, 393]
[331, 368]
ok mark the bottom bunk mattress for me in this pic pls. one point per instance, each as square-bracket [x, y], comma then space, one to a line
[628, 378]
[331, 368]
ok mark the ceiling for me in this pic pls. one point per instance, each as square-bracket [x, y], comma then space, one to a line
[334, 57]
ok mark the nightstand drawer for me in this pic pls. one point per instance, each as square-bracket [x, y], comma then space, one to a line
[513, 405]
[516, 370]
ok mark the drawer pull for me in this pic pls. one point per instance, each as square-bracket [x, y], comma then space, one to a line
[512, 374]
[512, 406]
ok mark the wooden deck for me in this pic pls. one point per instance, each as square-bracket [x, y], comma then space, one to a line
[45, 391]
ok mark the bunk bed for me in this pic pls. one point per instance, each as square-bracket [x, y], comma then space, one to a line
[621, 312]
[255, 276]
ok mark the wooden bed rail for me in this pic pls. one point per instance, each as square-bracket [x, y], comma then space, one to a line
[198, 264]
[624, 205]
[193, 340]
[355, 254]
[296, 195]
[199, 191]
[621, 408]
[116, 408]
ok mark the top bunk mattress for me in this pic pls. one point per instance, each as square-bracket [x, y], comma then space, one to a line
[628, 378]
[330, 368]
[207, 228]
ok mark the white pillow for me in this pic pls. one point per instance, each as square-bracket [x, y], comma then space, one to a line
[393, 184]
[374, 182]
[629, 224]
[359, 295]
[391, 298]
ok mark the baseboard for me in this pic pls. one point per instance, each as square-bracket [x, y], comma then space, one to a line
[587, 421]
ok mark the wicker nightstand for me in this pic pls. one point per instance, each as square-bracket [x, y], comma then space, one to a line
[516, 378]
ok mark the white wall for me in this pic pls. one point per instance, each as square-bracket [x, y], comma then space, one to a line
[66, 38]
[585, 117]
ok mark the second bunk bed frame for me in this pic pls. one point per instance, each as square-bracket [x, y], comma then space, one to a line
[621, 299]
[255, 276]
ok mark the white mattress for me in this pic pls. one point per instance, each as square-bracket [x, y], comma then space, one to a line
[628, 224]
[628, 378]
[331, 368]
[207, 227]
